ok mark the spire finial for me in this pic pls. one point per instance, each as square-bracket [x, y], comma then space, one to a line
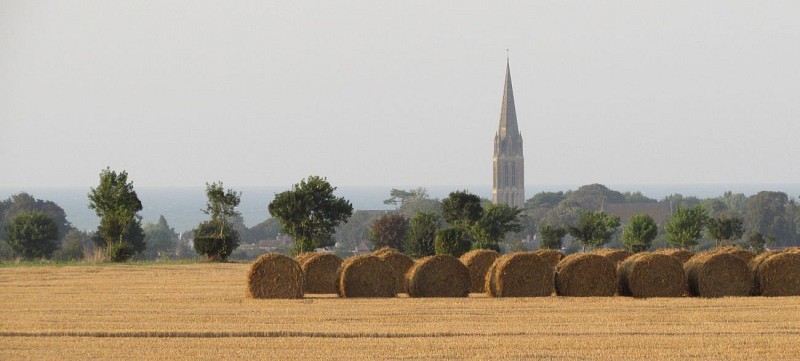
[507, 55]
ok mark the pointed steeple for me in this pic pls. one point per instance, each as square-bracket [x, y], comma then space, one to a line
[508, 113]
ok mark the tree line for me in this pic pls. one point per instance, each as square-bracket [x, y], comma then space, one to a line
[419, 225]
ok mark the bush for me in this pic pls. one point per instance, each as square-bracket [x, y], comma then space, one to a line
[32, 235]
[208, 242]
[452, 241]
[119, 251]
[71, 250]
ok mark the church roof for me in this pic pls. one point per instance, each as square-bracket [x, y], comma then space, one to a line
[508, 113]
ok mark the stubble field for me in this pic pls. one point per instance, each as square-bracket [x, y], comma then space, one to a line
[202, 311]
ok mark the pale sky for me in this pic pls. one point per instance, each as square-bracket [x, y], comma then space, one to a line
[265, 93]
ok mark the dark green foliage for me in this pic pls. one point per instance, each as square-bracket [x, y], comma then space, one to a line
[161, 240]
[594, 229]
[725, 229]
[545, 199]
[117, 205]
[639, 233]
[400, 195]
[215, 247]
[32, 235]
[686, 226]
[462, 208]
[453, 241]
[309, 212]
[551, 236]
[217, 238]
[25, 202]
[757, 242]
[421, 234]
[269, 229]
[495, 222]
[389, 231]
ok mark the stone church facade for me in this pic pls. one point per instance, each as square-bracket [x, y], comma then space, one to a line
[508, 160]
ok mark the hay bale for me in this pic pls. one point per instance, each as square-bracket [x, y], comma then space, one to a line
[646, 275]
[740, 252]
[520, 274]
[385, 249]
[679, 253]
[550, 255]
[302, 256]
[478, 262]
[777, 275]
[438, 276]
[616, 256]
[320, 272]
[366, 276]
[718, 274]
[274, 275]
[585, 275]
[400, 264]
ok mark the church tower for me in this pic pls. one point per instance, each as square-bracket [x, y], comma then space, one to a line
[509, 164]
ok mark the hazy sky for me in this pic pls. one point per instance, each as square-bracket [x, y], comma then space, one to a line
[398, 93]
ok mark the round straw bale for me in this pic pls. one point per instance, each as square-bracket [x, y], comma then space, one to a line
[550, 255]
[778, 275]
[585, 275]
[478, 262]
[438, 276]
[302, 256]
[740, 252]
[274, 275]
[383, 250]
[320, 272]
[520, 274]
[616, 256]
[400, 264]
[718, 274]
[366, 276]
[755, 287]
[645, 275]
[679, 253]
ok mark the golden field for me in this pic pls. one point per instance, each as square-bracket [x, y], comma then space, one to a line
[202, 311]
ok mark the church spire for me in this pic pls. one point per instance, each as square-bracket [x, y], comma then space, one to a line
[508, 113]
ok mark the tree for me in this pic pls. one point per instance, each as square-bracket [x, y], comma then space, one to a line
[116, 203]
[400, 196]
[32, 235]
[389, 231]
[310, 212]
[217, 239]
[773, 215]
[551, 236]
[725, 229]
[495, 222]
[594, 229]
[639, 233]
[72, 246]
[161, 240]
[25, 202]
[453, 241]
[421, 233]
[685, 226]
[462, 208]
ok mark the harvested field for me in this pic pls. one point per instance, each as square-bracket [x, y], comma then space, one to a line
[202, 311]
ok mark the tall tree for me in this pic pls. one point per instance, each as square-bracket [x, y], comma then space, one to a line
[639, 233]
[217, 239]
[725, 229]
[773, 215]
[421, 234]
[32, 235]
[495, 222]
[551, 236]
[309, 212]
[453, 241]
[389, 231]
[116, 203]
[594, 229]
[685, 226]
[462, 208]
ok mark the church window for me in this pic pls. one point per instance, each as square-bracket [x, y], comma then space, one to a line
[514, 174]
